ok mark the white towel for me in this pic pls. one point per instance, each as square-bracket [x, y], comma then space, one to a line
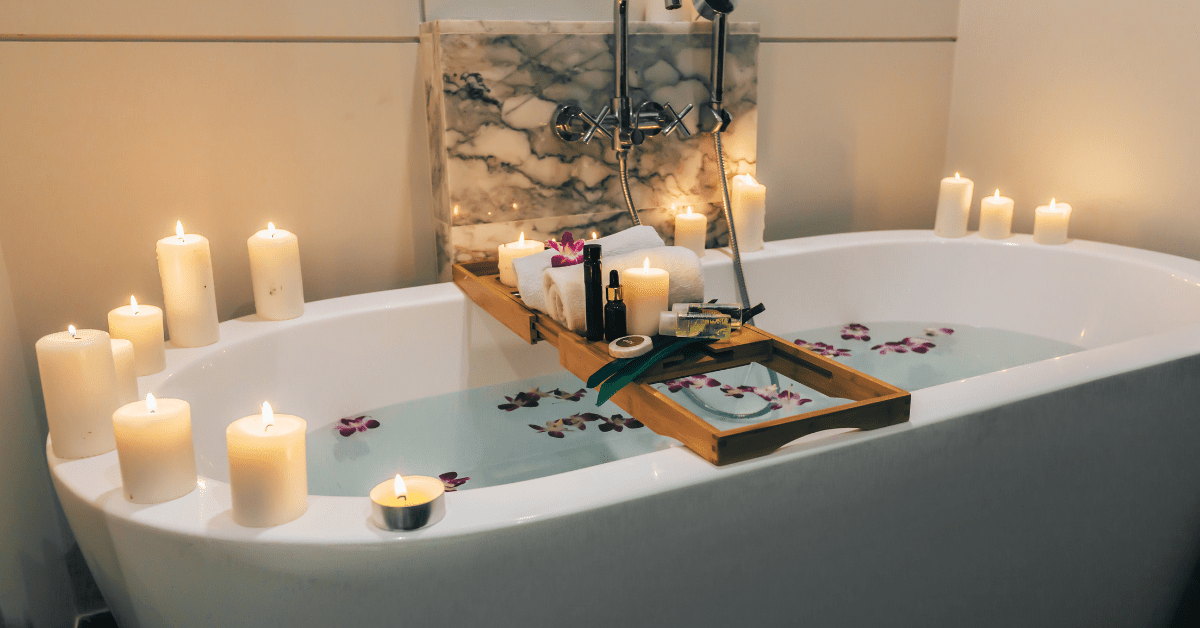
[529, 269]
[564, 286]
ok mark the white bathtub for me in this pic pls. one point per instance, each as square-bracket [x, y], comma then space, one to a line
[1059, 493]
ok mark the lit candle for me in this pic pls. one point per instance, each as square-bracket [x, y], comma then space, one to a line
[154, 449]
[141, 325]
[275, 274]
[79, 383]
[691, 230]
[515, 250]
[1050, 223]
[407, 503]
[645, 296]
[268, 477]
[954, 206]
[995, 217]
[748, 202]
[123, 358]
[185, 268]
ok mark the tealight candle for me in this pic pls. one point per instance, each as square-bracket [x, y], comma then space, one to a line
[748, 203]
[127, 387]
[275, 274]
[154, 449]
[1050, 223]
[512, 251]
[141, 325]
[691, 230]
[646, 292]
[185, 268]
[995, 217]
[79, 383]
[407, 502]
[954, 206]
[268, 476]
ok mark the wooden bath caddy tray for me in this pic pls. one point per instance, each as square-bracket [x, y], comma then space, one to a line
[874, 404]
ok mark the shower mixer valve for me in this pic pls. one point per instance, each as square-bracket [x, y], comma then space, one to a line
[648, 120]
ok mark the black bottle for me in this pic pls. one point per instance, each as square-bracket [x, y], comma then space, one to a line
[593, 298]
[614, 312]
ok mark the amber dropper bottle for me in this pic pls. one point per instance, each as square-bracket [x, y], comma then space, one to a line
[614, 312]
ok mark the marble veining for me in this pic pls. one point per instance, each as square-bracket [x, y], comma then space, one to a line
[497, 167]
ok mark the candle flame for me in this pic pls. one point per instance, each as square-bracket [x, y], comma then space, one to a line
[456, 210]
[595, 236]
[400, 489]
[268, 415]
[1051, 204]
[514, 205]
[689, 209]
[956, 176]
[521, 240]
[646, 265]
[151, 404]
[271, 229]
[997, 193]
[71, 330]
[179, 229]
[133, 304]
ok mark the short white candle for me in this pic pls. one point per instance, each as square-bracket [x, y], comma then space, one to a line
[1050, 223]
[123, 358]
[268, 476]
[954, 206]
[154, 449]
[275, 274]
[645, 296]
[515, 250]
[79, 383]
[185, 268]
[691, 231]
[995, 217]
[748, 203]
[141, 325]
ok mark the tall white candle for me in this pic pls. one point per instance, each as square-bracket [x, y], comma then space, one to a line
[154, 449]
[691, 231]
[275, 274]
[516, 250]
[645, 295]
[127, 387]
[141, 325]
[185, 268]
[995, 217]
[1050, 223]
[79, 382]
[954, 206]
[748, 203]
[268, 476]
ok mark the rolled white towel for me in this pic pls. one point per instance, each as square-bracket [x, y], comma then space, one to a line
[529, 269]
[564, 286]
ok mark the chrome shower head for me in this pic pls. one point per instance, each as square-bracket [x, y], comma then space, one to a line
[709, 9]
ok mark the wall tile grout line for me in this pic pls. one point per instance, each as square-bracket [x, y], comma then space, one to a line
[206, 39]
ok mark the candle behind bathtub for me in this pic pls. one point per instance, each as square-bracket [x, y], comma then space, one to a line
[954, 206]
[79, 382]
[141, 325]
[275, 274]
[123, 358]
[691, 231]
[268, 474]
[995, 217]
[154, 449]
[748, 202]
[185, 268]
[1050, 223]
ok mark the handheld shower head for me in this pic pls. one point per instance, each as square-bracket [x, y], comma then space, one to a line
[709, 9]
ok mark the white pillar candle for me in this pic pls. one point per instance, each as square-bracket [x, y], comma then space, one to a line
[1050, 223]
[268, 477]
[995, 217]
[748, 203]
[127, 390]
[154, 449]
[79, 383]
[691, 231]
[954, 206]
[141, 325]
[275, 274]
[645, 296]
[515, 250]
[185, 268]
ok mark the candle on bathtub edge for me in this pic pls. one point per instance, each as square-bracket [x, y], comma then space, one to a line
[513, 250]
[407, 502]
[275, 274]
[154, 449]
[268, 476]
[691, 231]
[954, 206]
[79, 383]
[749, 207]
[123, 358]
[185, 268]
[646, 292]
[141, 325]
[1050, 223]
[995, 217]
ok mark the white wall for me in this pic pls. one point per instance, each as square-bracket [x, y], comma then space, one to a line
[1095, 104]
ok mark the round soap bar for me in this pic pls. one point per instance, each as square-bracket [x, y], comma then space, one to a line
[630, 346]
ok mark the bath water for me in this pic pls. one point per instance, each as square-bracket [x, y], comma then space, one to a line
[485, 433]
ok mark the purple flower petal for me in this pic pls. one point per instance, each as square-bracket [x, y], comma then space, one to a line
[372, 424]
[346, 431]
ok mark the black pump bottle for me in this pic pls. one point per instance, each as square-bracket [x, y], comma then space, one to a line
[614, 312]
[593, 298]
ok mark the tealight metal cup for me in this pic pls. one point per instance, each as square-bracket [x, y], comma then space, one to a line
[405, 516]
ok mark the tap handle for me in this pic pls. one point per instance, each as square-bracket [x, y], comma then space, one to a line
[597, 124]
[677, 120]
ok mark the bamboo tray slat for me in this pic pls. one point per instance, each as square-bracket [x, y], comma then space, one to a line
[875, 403]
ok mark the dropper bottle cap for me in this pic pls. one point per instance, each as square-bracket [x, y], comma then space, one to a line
[615, 291]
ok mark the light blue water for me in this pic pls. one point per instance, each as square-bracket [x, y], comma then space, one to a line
[468, 434]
